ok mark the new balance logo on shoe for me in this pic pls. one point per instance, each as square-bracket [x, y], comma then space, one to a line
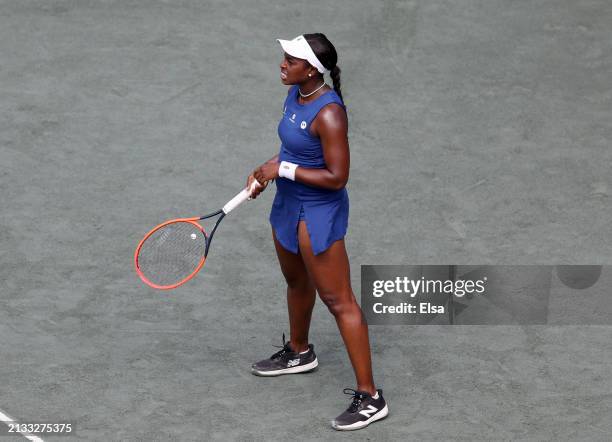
[369, 412]
[362, 411]
[286, 361]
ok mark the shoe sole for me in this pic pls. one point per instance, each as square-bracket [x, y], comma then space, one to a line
[311, 366]
[359, 425]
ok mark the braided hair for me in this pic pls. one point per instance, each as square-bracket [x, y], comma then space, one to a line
[327, 55]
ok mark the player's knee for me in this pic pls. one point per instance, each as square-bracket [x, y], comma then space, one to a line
[337, 304]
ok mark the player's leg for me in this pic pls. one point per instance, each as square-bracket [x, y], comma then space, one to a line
[301, 295]
[296, 356]
[330, 272]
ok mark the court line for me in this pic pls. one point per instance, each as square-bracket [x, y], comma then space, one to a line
[9, 420]
[182, 92]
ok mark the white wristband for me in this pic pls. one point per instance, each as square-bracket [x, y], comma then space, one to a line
[287, 170]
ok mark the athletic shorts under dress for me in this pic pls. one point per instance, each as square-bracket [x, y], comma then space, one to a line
[324, 211]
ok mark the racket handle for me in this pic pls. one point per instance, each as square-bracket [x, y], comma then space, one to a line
[240, 198]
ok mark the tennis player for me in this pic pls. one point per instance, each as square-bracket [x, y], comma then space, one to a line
[309, 220]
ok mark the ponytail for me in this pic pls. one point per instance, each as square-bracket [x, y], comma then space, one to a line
[335, 76]
[327, 55]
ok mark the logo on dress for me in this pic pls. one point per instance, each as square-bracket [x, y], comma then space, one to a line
[303, 125]
[292, 118]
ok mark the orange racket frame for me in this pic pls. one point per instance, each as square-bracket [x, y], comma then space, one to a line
[231, 205]
[144, 279]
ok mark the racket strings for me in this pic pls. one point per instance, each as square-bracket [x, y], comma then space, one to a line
[172, 253]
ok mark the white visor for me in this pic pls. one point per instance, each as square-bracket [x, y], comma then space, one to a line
[299, 48]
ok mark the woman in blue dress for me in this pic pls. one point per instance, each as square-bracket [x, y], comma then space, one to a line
[309, 219]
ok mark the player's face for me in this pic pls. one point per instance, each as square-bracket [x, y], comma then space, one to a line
[293, 70]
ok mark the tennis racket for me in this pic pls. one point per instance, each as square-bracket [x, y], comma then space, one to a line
[175, 251]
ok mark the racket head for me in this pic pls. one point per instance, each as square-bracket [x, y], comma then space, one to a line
[171, 254]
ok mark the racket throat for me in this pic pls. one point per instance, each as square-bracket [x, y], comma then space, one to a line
[210, 237]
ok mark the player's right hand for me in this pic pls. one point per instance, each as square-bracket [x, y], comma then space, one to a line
[258, 189]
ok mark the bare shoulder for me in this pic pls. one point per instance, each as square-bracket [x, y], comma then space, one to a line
[332, 116]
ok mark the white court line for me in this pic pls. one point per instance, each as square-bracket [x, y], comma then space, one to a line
[9, 420]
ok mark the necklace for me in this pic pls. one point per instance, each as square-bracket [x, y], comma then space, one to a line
[308, 95]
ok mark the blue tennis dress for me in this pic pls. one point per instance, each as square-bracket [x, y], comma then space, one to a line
[324, 211]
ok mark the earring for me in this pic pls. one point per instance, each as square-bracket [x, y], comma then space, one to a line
[310, 75]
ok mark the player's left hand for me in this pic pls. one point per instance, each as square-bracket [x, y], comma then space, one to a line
[266, 172]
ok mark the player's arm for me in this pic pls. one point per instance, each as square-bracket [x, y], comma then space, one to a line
[331, 126]
[273, 160]
[272, 163]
